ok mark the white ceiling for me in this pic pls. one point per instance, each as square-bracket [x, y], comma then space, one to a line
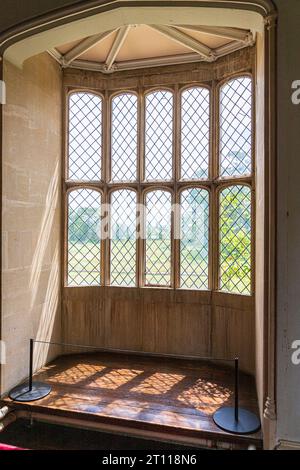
[136, 46]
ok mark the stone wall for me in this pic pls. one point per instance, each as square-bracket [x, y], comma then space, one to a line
[31, 213]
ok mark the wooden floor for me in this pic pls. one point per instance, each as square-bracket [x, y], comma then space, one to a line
[168, 398]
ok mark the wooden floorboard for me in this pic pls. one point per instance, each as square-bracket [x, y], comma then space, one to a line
[171, 396]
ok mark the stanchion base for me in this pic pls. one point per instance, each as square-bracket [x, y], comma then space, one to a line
[22, 392]
[248, 422]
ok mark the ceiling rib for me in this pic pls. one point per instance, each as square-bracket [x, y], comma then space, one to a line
[155, 61]
[229, 48]
[115, 48]
[138, 63]
[56, 55]
[83, 47]
[227, 33]
[186, 41]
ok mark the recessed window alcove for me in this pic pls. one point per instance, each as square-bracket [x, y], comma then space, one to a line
[138, 120]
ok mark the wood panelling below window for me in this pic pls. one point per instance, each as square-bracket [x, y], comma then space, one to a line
[161, 321]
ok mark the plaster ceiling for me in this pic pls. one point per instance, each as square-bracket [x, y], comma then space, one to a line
[139, 45]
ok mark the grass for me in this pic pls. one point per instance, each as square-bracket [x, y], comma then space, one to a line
[84, 263]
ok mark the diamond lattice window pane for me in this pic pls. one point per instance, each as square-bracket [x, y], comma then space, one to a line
[124, 137]
[235, 239]
[159, 135]
[194, 242]
[84, 237]
[195, 133]
[236, 127]
[123, 238]
[85, 137]
[158, 238]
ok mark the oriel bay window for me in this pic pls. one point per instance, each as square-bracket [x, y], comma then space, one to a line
[160, 187]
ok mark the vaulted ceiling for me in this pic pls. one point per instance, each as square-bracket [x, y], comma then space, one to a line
[138, 46]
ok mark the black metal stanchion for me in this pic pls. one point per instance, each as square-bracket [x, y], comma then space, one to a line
[30, 363]
[235, 419]
[236, 389]
[30, 391]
